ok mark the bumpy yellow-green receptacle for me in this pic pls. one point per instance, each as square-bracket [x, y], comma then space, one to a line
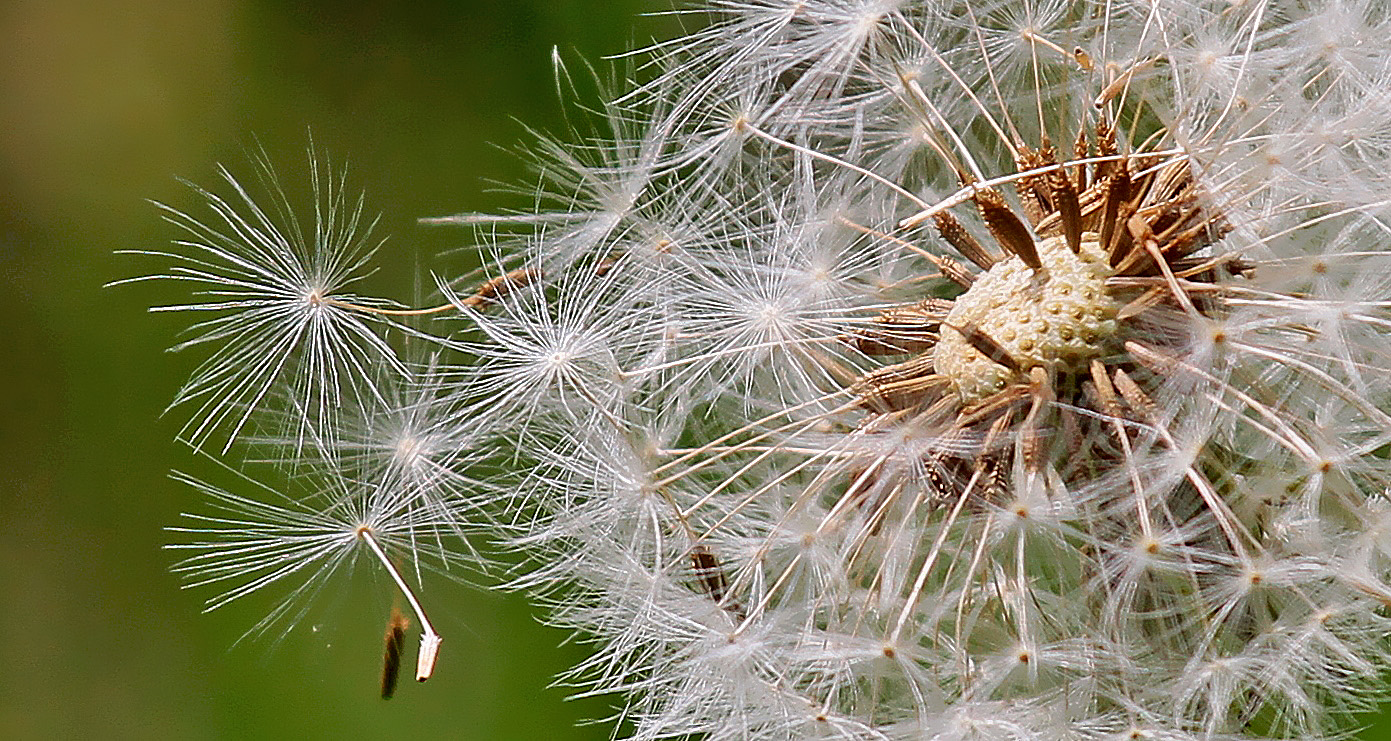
[1058, 318]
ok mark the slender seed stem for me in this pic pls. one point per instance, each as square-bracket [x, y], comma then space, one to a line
[429, 640]
[386, 312]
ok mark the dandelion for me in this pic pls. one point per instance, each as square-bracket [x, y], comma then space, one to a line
[950, 371]
[1004, 389]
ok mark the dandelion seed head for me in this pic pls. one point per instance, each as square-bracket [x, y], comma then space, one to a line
[898, 370]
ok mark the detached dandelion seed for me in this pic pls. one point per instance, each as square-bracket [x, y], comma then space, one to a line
[282, 315]
[254, 542]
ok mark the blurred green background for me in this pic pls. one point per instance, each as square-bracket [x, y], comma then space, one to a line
[101, 105]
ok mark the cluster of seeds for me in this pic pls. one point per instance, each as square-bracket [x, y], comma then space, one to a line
[1062, 315]
[1059, 318]
[1102, 456]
